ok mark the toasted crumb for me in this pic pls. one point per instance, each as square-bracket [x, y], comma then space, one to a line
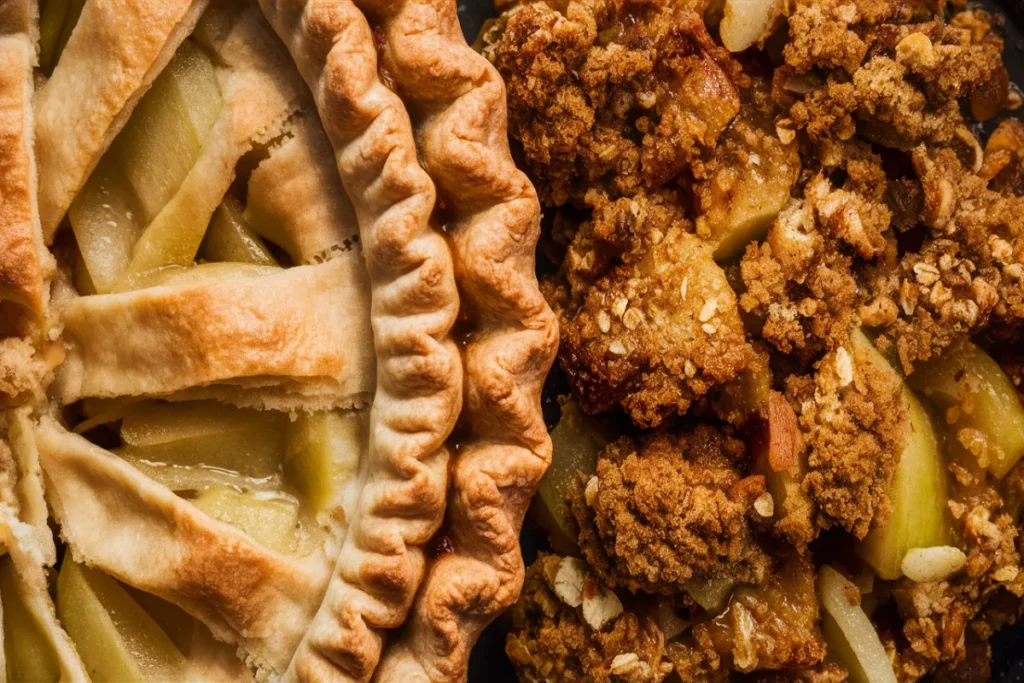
[668, 507]
[630, 337]
[551, 641]
[617, 95]
[854, 434]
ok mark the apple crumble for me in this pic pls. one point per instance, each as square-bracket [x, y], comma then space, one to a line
[788, 266]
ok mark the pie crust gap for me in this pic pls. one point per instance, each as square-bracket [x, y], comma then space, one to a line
[403, 484]
[511, 336]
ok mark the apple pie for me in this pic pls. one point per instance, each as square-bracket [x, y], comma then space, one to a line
[239, 284]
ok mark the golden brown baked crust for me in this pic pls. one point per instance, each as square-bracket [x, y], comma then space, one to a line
[281, 339]
[21, 253]
[414, 304]
[492, 214]
[116, 50]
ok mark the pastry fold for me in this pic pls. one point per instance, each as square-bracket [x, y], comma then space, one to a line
[458, 100]
[297, 338]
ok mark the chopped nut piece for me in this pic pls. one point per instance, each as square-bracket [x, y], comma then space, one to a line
[844, 366]
[590, 493]
[765, 505]
[938, 563]
[619, 307]
[625, 664]
[707, 312]
[600, 606]
[569, 581]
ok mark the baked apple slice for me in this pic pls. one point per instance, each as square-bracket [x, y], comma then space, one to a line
[162, 139]
[271, 519]
[115, 637]
[576, 442]
[918, 495]
[984, 416]
[206, 434]
[851, 638]
[323, 455]
[28, 653]
[229, 237]
[158, 148]
[105, 220]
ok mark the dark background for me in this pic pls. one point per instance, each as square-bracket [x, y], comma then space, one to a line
[488, 663]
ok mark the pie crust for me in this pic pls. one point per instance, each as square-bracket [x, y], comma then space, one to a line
[511, 335]
[296, 339]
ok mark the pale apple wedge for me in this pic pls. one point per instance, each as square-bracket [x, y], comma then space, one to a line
[323, 455]
[206, 433]
[851, 638]
[163, 138]
[106, 223]
[576, 442]
[984, 418]
[918, 516]
[28, 654]
[115, 637]
[229, 238]
[918, 494]
[271, 519]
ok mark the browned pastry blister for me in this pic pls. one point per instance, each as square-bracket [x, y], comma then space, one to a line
[492, 215]
[414, 304]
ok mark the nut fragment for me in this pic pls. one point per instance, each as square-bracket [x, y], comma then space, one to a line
[937, 563]
[600, 607]
[783, 433]
[632, 318]
[624, 664]
[745, 22]
[569, 581]
[591, 491]
[764, 505]
[785, 131]
[707, 312]
[619, 306]
[844, 366]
